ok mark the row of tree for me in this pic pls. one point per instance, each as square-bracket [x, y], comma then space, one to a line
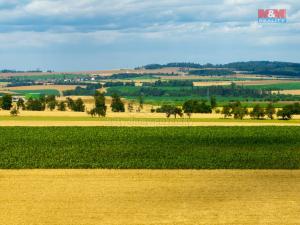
[239, 112]
[189, 107]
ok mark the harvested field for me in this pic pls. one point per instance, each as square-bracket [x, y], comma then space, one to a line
[147, 197]
[60, 88]
[211, 83]
[289, 92]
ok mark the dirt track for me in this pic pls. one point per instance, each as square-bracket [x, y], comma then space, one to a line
[86, 197]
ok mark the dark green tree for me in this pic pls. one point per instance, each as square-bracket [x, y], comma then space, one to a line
[79, 105]
[21, 104]
[258, 112]
[189, 107]
[61, 106]
[141, 102]
[213, 102]
[226, 111]
[70, 103]
[170, 110]
[35, 104]
[100, 107]
[51, 105]
[117, 105]
[6, 102]
[270, 111]
[285, 113]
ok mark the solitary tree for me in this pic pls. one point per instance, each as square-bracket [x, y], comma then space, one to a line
[6, 102]
[117, 105]
[14, 111]
[21, 104]
[130, 106]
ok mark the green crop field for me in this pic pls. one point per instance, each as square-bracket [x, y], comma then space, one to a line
[151, 147]
[43, 92]
[283, 86]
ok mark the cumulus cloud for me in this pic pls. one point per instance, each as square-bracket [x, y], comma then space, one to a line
[156, 23]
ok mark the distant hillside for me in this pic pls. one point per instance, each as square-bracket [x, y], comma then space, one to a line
[251, 67]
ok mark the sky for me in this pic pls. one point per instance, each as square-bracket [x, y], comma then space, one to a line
[74, 35]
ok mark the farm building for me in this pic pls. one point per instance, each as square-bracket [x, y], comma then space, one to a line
[17, 98]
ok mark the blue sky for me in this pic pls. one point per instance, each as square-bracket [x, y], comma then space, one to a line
[72, 35]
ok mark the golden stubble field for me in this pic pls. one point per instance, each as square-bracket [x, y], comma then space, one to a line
[60, 88]
[142, 197]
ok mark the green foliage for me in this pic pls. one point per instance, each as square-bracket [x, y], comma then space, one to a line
[117, 105]
[211, 72]
[14, 111]
[76, 106]
[21, 104]
[79, 105]
[61, 106]
[270, 111]
[236, 109]
[156, 148]
[6, 102]
[213, 102]
[100, 107]
[51, 105]
[285, 114]
[35, 104]
[141, 102]
[258, 112]
[188, 91]
[170, 110]
[195, 106]
[288, 111]
[89, 90]
[227, 111]
[255, 67]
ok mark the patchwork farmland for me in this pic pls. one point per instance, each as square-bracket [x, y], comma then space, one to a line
[167, 145]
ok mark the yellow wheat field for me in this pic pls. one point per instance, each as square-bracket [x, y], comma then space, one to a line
[142, 197]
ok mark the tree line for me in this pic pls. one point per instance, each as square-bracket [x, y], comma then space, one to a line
[237, 111]
[50, 102]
